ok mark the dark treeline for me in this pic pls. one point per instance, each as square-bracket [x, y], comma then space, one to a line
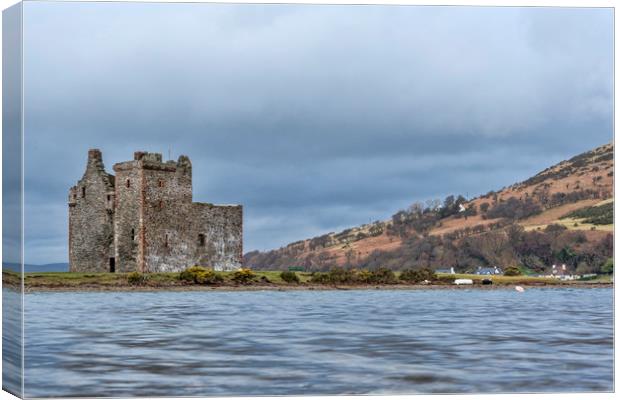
[598, 215]
[420, 218]
[498, 242]
[509, 246]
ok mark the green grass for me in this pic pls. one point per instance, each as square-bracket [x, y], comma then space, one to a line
[74, 279]
[71, 279]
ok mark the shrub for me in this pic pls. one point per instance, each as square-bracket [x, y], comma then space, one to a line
[364, 276]
[512, 271]
[424, 274]
[243, 276]
[208, 277]
[336, 276]
[351, 276]
[409, 275]
[136, 278]
[289, 277]
[608, 267]
[189, 275]
[383, 276]
[201, 275]
[583, 268]
[428, 274]
[320, 277]
[341, 275]
[514, 208]
[555, 228]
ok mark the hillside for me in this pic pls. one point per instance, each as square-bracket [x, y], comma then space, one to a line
[62, 267]
[434, 233]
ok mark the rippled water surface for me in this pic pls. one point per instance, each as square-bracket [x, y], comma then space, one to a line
[318, 342]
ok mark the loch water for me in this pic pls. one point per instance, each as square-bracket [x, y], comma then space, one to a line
[215, 343]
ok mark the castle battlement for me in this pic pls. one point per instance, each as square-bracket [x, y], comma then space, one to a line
[143, 219]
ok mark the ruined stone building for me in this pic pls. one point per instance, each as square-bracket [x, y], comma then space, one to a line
[143, 219]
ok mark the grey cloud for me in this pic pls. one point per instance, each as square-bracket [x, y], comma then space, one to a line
[313, 117]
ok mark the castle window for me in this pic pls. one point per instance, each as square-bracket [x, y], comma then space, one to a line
[128, 183]
[83, 191]
[161, 183]
[108, 197]
[166, 241]
[161, 204]
[133, 234]
[201, 240]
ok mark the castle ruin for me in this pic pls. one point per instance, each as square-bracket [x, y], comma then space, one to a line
[143, 219]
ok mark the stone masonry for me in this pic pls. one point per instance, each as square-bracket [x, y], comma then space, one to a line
[143, 219]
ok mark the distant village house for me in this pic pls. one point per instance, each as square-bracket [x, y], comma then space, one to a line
[489, 271]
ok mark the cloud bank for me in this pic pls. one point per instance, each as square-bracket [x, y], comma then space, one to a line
[315, 118]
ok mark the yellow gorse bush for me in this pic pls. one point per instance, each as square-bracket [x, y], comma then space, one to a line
[200, 275]
[243, 275]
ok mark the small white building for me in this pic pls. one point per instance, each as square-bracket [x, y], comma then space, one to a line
[489, 271]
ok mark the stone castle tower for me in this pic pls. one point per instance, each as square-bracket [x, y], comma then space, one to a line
[143, 219]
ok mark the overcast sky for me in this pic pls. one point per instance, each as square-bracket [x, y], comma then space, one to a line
[315, 118]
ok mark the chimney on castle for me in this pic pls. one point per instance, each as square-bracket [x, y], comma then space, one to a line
[94, 155]
[184, 165]
[95, 161]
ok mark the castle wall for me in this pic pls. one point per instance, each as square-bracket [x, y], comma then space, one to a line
[148, 222]
[168, 196]
[128, 231]
[222, 227]
[195, 234]
[91, 219]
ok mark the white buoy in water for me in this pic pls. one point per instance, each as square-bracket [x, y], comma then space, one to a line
[519, 289]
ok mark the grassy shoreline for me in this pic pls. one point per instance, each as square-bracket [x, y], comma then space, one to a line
[264, 280]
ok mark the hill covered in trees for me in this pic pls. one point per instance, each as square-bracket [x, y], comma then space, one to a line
[563, 214]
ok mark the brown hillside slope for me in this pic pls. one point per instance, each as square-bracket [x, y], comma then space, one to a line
[581, 181]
